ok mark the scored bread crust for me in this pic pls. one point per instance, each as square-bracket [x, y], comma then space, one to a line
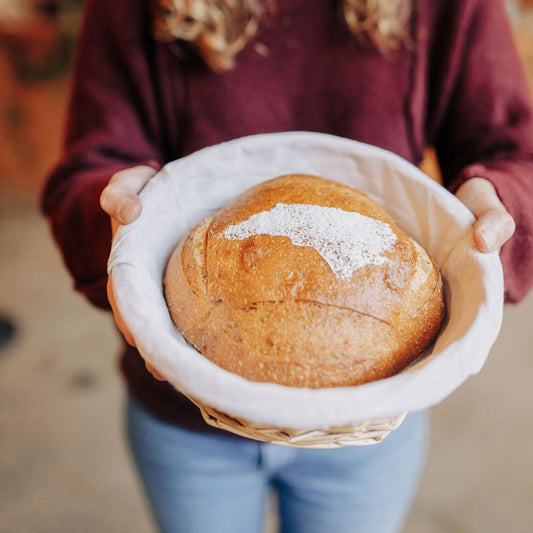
[271, 311]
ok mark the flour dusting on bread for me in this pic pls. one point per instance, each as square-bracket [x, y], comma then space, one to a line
[345, 239]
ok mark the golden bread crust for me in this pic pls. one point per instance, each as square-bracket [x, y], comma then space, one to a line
[271, 311]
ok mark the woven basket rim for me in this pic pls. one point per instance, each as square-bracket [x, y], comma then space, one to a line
[364, 433]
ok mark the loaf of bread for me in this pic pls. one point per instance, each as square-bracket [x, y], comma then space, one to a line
[304, 282]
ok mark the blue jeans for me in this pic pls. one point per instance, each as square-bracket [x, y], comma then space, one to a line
[204, 483]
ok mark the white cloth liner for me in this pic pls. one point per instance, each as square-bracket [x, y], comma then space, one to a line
[189, 189]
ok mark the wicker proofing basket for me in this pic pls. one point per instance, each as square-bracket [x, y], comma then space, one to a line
[364, 433]
[192, 187]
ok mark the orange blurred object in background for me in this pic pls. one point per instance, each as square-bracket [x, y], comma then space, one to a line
[36, 42]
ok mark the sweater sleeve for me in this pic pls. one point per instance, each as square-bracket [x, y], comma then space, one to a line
[111, 125]
[482, 124]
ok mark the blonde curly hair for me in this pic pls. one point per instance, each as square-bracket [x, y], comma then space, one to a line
[220, 29]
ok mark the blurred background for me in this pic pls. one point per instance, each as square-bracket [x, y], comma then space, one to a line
[64, 466]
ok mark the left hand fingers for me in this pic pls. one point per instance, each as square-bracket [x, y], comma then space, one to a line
[494, 225]
[492, 229]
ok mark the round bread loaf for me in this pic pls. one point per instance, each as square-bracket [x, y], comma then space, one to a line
[304, 282]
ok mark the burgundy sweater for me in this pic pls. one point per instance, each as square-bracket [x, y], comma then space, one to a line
[459, 87]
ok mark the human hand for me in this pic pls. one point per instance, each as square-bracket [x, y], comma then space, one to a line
[120, 200]
[494, 225]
